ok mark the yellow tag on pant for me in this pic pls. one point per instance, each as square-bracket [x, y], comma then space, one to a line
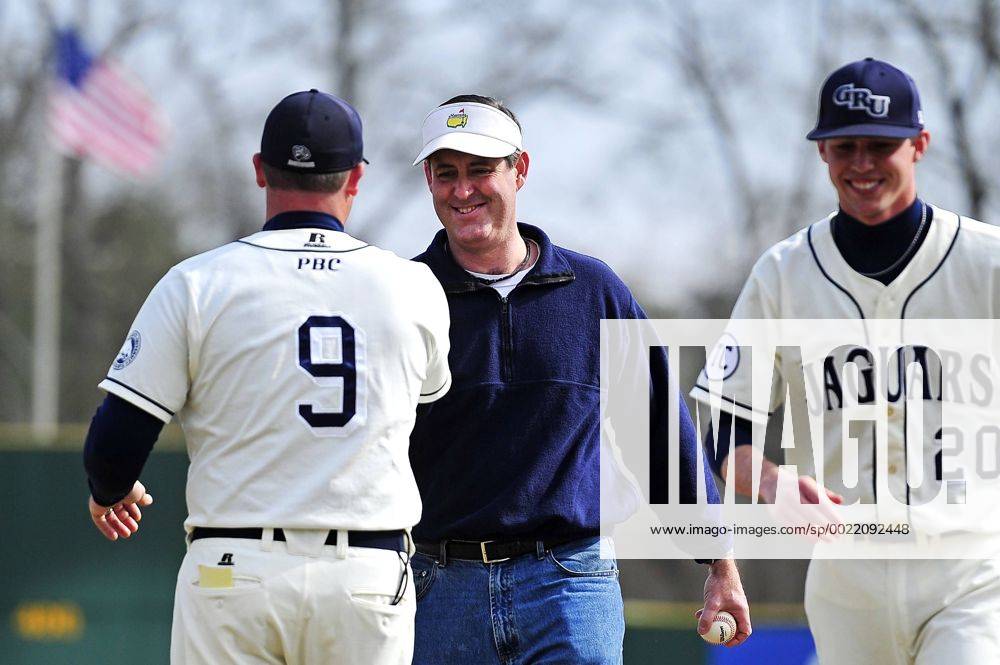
[212, 577]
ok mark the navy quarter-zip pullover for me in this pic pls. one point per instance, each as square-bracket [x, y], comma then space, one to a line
[512, 451]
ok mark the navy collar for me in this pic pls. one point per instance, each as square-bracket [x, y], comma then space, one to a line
[303, 219]
[868, 249]
[549, 268]
[904, 223]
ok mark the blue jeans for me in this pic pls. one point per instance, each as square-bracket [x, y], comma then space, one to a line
[558, 606]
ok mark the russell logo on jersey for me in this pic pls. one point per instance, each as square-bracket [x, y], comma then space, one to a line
[316, 240]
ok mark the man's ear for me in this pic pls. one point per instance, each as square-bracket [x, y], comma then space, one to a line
[521, 166]
[353, 178]
[821, 146]
[259, 170]
[921, 142]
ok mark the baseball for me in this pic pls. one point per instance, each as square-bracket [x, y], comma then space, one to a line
[723, 629]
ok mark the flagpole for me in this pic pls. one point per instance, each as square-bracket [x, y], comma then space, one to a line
[84, 91]
[48, 291]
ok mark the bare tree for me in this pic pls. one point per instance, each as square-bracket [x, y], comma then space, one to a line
[687, 50]
[715, 71]
[27, 52]
[375, 63]
[959, 98]
[219, 184]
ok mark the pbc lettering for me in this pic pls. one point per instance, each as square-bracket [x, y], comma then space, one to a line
[318, 263]
[861, 99]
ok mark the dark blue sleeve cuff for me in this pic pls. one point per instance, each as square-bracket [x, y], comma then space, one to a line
[730, 426]
[119, 441]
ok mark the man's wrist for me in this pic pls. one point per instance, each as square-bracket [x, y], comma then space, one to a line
[105, 499]
[768, 483]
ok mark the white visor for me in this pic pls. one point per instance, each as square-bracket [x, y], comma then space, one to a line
[476, 129]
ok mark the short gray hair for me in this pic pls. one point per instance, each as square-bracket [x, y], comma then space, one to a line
[304, 182]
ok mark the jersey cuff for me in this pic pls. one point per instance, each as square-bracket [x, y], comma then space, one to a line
[701, 394]
[135, 398]
[435, 394]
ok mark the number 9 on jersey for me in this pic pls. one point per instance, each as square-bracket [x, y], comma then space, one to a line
[332, 352]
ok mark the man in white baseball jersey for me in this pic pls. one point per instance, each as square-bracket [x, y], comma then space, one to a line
[294, 359]
[885, 254]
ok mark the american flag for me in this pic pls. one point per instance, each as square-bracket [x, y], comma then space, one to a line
[98, 111]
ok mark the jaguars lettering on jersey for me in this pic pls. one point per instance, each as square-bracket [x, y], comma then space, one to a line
[803, 278]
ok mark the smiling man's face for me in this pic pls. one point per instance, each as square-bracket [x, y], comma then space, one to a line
[875, 177]
[475, 197]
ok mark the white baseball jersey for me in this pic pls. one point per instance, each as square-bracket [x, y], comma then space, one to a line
[293, 360]
[954, 274]
[896, 612]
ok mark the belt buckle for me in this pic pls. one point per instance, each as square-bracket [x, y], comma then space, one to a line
[486, 559]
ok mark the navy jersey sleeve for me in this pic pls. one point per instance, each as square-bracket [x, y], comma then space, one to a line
[119, 441]
[731, 428]
[659, 431]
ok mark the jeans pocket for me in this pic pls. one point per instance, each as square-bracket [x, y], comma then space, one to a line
[582, 561]
[424, 572]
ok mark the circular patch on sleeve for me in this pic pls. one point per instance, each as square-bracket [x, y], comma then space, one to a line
[129, 351]
[724, 359]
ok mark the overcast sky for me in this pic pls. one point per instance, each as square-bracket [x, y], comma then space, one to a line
[636, 179]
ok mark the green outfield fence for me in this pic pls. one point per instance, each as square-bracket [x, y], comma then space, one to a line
[70, 597]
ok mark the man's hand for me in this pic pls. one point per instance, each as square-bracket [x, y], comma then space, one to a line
[814, 504]
[724, 591]
[122, 519]
[809, 490]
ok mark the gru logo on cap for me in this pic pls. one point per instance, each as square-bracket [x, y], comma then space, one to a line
[861, 99]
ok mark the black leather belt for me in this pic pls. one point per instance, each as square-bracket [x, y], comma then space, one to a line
[490, 551]
[382, 540]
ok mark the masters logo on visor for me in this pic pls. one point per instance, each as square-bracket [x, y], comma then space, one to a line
[447, 127]
[456, 120]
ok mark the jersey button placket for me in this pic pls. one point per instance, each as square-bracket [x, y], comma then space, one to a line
[885, 307]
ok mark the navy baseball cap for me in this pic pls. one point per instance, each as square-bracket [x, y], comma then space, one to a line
[312, 132]
[868, 98]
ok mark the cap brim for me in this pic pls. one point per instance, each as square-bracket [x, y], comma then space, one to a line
[473, 144]
[869, 129]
